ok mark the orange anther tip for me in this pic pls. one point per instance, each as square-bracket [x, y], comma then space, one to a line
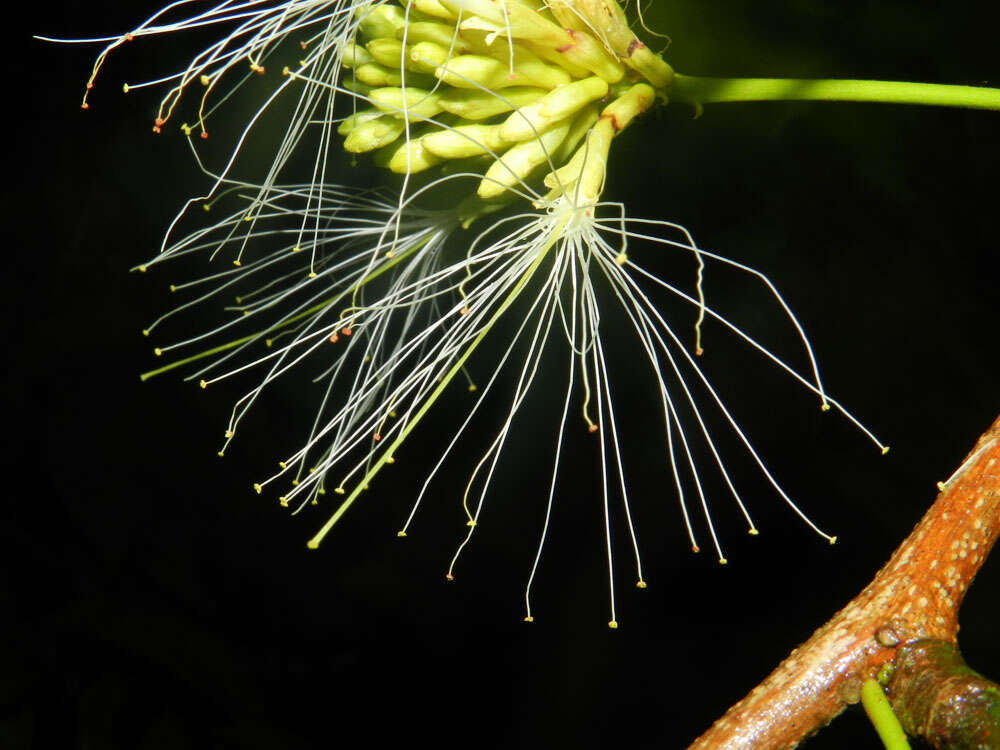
[302, 45]
[449, 576]
[592, 428]
[696, 549]
[156, 128]
[377, 436]
[85, 106]
[158, 121]
[334, 338]
[346, 331]
[90, 85]
[204, 135]
[129, 37]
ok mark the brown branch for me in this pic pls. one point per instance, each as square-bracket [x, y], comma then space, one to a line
[915, 596]
[936, 696]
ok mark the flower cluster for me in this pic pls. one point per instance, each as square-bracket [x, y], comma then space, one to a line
[510, 100]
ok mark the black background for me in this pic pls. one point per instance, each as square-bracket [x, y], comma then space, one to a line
[155, 601]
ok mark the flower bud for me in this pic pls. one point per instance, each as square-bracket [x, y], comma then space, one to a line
[555, 106]
[358, 118]
[520, 161]
[412, 157]
[475, 71]
[374, 134]
[381, 21]
[466, 140]
[426, 31]
[355, 55]
[433, 8]
[476, 104]
[417, 104]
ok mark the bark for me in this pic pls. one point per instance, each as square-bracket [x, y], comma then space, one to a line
[937, 696]
[914, 597]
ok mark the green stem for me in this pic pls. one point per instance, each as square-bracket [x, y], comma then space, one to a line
[699, 90]
[880, 714]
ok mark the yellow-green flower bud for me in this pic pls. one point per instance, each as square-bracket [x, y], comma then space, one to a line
[520, 161]
[388, 52]
[476, 104]
[608, 16]
[475, 71]
[433, 8]
[412, 157]
[427, 57]
[629, 105]
[417, 104]
[512, 19]
[527, 122]
[374, 134]
[377, 75]
[381, 21]
[355, 55]
[583, 122]
[425, 31]
[358, 118]
[465, 141]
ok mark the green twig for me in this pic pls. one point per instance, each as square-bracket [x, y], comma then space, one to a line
[880, 714]
[699, 90]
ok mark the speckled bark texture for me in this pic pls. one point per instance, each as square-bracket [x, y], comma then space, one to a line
[938, 697]
[916, 596]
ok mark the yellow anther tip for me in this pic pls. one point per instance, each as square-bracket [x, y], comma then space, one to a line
[470, 522]
[203, 383]
[400, 534]
[204, 80]
[142, 269]
[312, 544]
[640, 584]
[295, 483]
[340, 490]
[723, 561]
[529, 618]
[237, 263]
[283, 501]
[885, 450]
[282, 464]
[172, 288]
[940, 486]
[206, 206]
[833, 540]
[621, 259]
[221, 454]
[321, 491]
[257, 488]
[613, 625]
[312, 274]
[390, 460]
[472, 389]
[296, 249]
[145, 331]
[229, 433]
[124, 88]
[754, 532]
